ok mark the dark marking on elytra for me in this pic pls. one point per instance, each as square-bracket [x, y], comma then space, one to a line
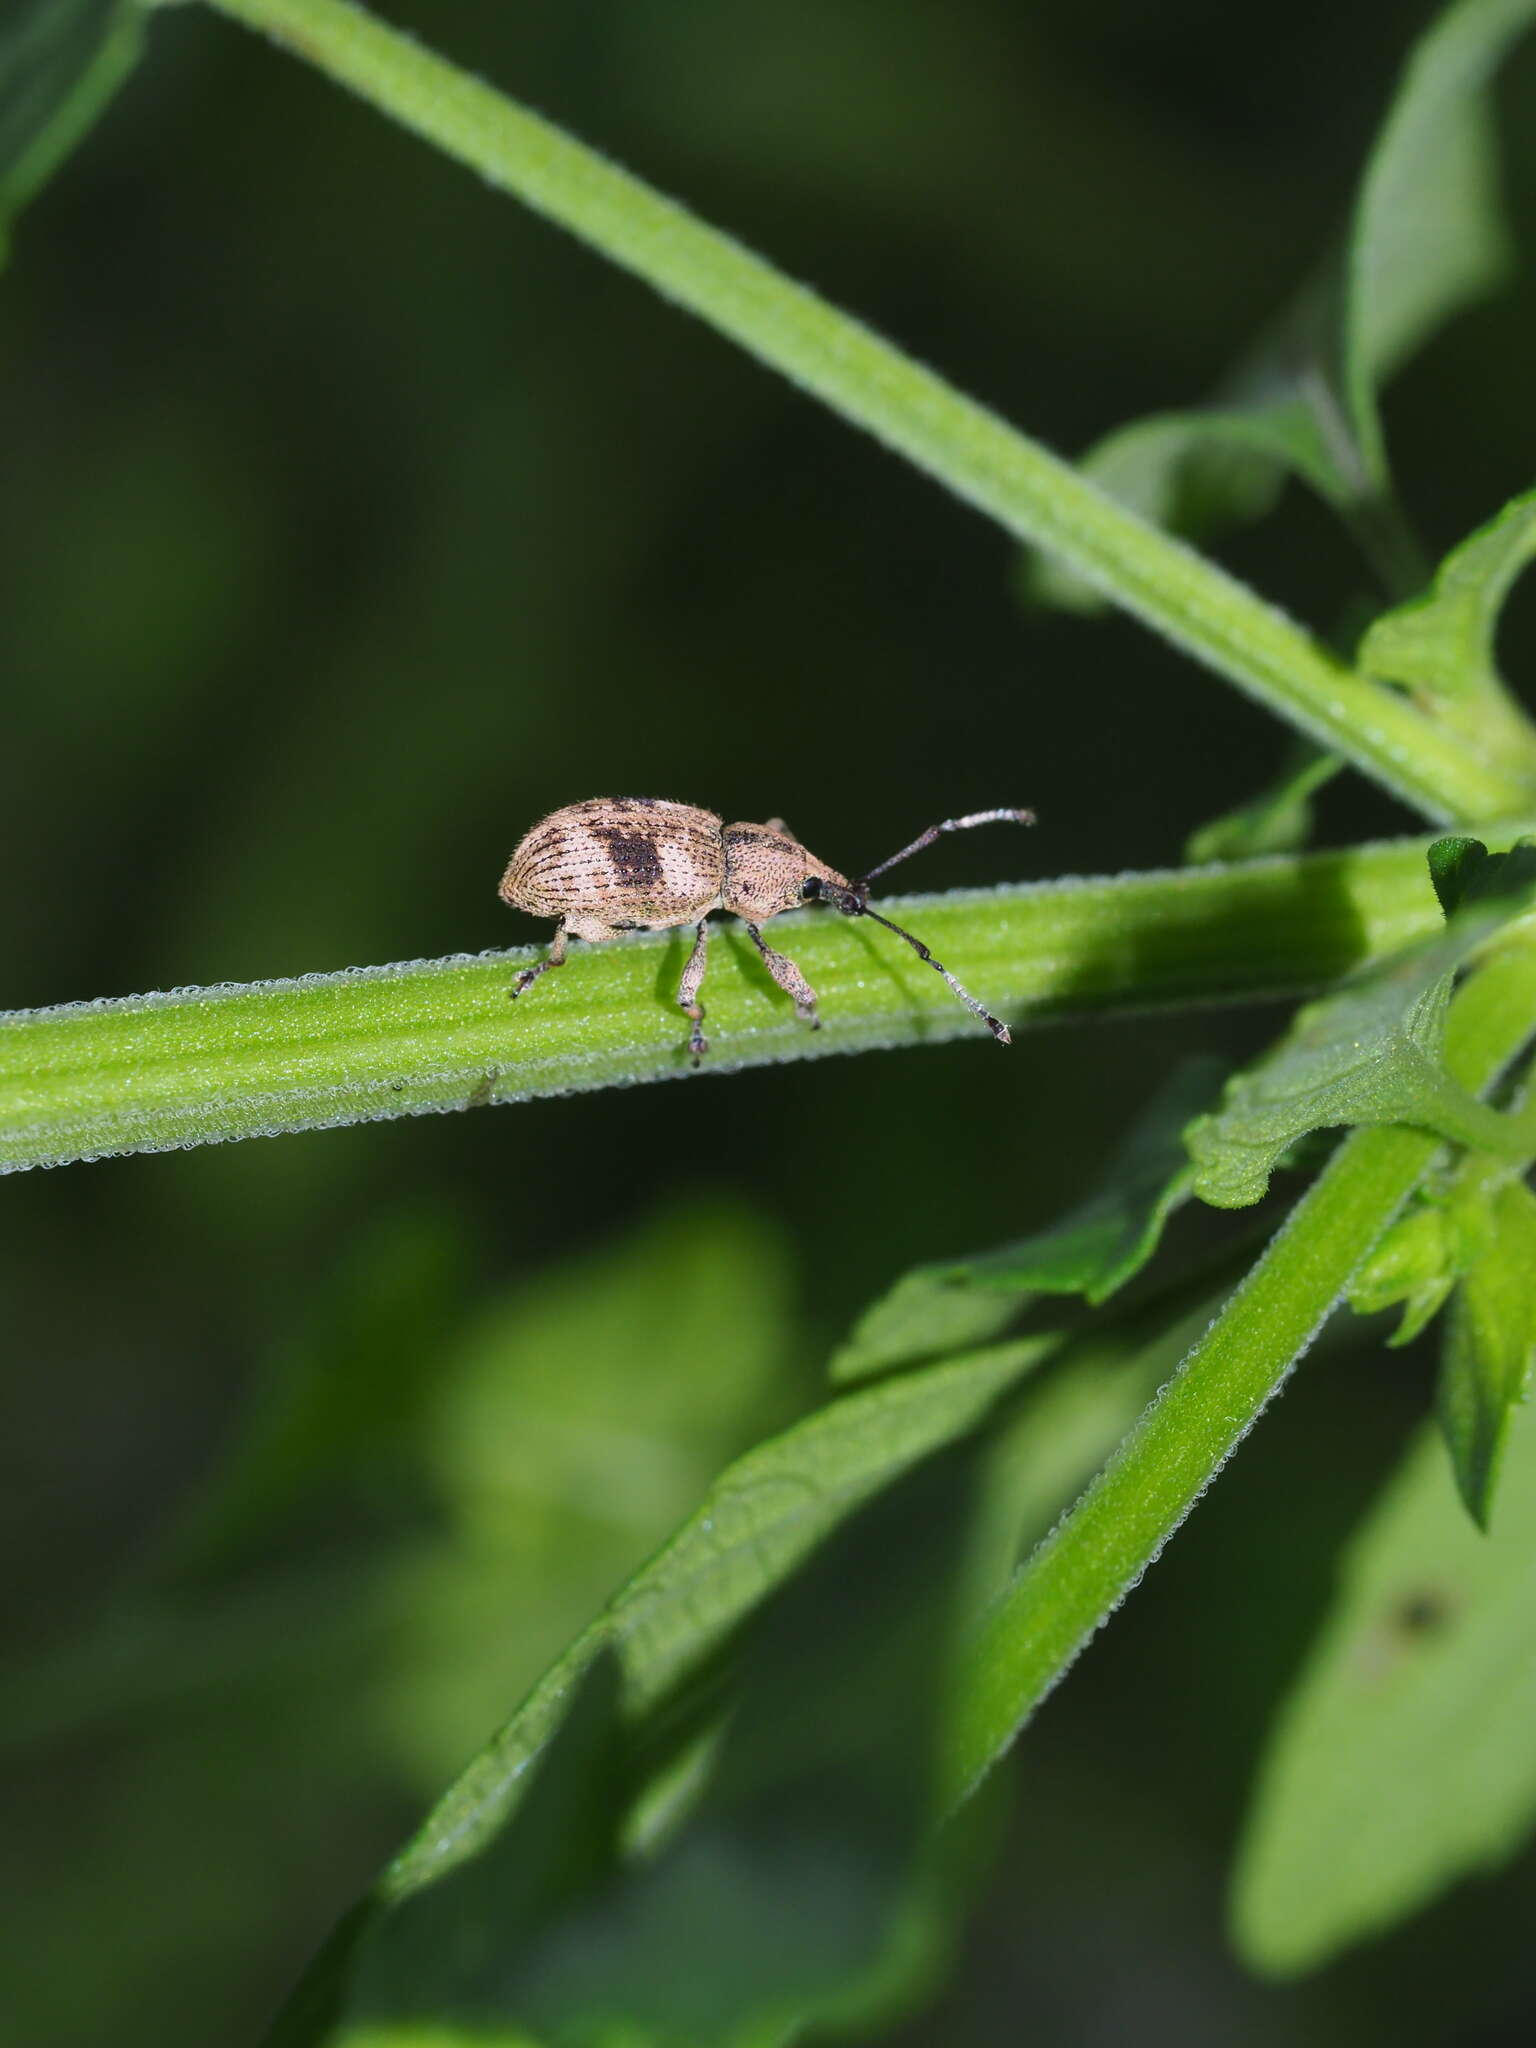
[636, 863]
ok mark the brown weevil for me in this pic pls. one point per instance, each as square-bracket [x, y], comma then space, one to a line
[643, 863]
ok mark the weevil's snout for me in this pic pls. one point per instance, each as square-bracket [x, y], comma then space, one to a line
[851, 898]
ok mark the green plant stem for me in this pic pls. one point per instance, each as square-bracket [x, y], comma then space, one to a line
[146, 1073]
[976, 454]
[1098, 1553]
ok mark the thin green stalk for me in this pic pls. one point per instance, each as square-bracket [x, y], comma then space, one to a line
[1098, 1553]
[146, 1073]
[971, 450]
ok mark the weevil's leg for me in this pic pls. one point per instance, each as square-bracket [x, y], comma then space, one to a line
[789, 978]
[949, 825]
[688, 993]
[555, 957]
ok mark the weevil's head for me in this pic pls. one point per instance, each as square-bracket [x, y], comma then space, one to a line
[767, 870]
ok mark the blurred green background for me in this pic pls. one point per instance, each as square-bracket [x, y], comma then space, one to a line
[353, 519]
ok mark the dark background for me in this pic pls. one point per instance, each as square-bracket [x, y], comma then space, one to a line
[352, 518]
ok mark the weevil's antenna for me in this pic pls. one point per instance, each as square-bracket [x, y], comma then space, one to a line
[851, 903]
[995, 1025]
[934, 831]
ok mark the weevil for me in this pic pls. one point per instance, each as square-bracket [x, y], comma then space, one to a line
[644, 863]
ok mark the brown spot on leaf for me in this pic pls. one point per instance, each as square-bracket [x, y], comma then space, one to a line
[1424, 1612]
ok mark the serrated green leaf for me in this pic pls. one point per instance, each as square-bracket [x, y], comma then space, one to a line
[1403, 1758]
[1092, 1250]
[780, 1895]
[437, 1955]
[60, 63]
[1442, 643]
[1100, 1550]
[1425, 238]
[762, 1518]
[1465, 873]
[766, 1513]
[1440, 646]
[1489, 1344]
[1367, 1055]
[1456, 866]
[1472, 1230]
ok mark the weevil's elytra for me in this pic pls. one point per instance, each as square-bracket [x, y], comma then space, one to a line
[644, 863]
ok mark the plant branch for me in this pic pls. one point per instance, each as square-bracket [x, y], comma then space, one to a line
[146, 1073]
[976, 454]
[1098, 1553]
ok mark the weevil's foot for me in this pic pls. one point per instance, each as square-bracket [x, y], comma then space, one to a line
[1000, 1031]
[806, 1012]
[698, 1044]
[524, 981]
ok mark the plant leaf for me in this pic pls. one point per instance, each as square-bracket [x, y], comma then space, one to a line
[1425, 238]
[1416, 1264]
[1368, 1055]
[761, 1519]
[1489, 1344]
[766, 1512]
[1092, 1250]
[1101, 1549]
[429, 1961]
[925, 1313]
[1403, 1757]
[1456, 865]
[580, 1416]
[60, 63]
[1107, 1239]
[1440, 646]
[780, 1896]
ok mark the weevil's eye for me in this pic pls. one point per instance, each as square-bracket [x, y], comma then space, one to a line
[810, 888]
